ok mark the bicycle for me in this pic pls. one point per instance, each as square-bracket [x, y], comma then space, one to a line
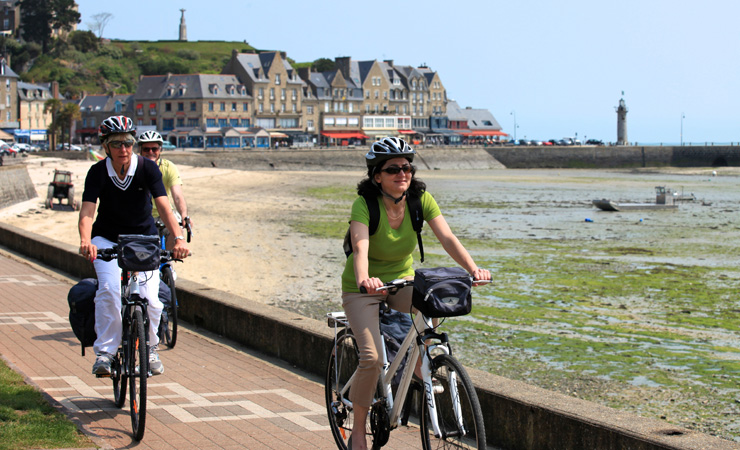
[449, 412]
[131, 361]
[167, 331]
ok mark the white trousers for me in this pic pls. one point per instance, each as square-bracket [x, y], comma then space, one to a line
[108, 324]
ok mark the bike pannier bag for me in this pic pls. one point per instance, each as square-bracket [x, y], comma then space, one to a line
[442, 292]
[138, 253]
[81, 300]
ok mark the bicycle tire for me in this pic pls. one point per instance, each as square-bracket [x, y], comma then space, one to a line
[118, 376]
[139, 366]
[475, 437]
[168, 325]
[342, 362]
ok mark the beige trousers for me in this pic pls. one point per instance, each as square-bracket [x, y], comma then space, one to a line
[362, 312]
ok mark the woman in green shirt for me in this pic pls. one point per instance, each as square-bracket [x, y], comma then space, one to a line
[385, 256]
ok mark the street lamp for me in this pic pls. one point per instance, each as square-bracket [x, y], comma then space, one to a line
[683, 116]
[513, 113]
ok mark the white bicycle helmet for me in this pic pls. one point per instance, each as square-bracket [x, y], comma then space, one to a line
[150, 136]
[388, 148]
[115, 125]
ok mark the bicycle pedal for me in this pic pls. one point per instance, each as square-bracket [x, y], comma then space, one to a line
[103, 375]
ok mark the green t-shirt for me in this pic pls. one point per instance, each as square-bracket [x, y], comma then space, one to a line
[389, 255]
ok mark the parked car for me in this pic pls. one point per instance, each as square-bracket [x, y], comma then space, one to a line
[550, 142]
[594, 142]
[524, 142]
[6, 150]
[21, 147]
[66, 146]
[167, 145]
[535, 142]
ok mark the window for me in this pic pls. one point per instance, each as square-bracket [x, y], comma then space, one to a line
[211, 123]
[277, 78]
[326, 107]
[294, 95]
[168, 106]
[282, 107]
[309, 124]
[288, 123]
[309, 109]
[282, 93]
[182, 90]
[222, 123]
[245, 123]
[367, 94]
[233, 106]
[193, 106]
[168, 124]
[353, 121]
[234, 122]
[342, 121]
[328, 121]
[377, 93]
[272, 107]
[261, 108]
[272, 93]
[293, 108]
[181, 106]
[385, 95]
[261, 93]
[223, 106]
[245, 106]
[180, 122]
[390, 123]
[379, 122]
[210, 106]
[192, 123]
[350, 107]
[367, 122]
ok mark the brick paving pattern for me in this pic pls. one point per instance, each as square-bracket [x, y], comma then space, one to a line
[212, 395]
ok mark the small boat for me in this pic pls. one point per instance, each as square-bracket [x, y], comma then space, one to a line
[664, 199]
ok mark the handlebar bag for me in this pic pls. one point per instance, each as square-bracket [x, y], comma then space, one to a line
[138, 252]
[442, 292]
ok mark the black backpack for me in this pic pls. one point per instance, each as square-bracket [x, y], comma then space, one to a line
[81, 300]
[417, 221]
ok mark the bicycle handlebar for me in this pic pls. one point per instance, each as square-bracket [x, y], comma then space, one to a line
[400, 283]
[108, 254]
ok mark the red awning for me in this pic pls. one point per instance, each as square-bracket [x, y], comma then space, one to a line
[482, 133]
[407, 131]
[343, 134]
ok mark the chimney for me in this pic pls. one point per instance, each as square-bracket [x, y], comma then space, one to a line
[342, 63]
[284, 55]
[304, 73]
[55, 89]
[389, 62]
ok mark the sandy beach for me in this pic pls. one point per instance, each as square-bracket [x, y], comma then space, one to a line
[242, 243]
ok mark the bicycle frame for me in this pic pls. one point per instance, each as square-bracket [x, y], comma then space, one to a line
[131, 298]
[413, 342]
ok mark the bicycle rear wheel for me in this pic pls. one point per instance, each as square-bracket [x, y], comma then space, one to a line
[118, 376]
[139, 368]
[472, 434]
[343, 361]
[168, 325]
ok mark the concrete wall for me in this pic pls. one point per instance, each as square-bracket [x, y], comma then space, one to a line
[15, 185]
[518, 416]
[615, 157]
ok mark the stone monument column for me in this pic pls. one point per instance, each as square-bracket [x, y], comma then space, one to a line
[183, 27]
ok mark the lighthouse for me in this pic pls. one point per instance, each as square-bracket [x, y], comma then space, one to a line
[183, 27]
[621, 122]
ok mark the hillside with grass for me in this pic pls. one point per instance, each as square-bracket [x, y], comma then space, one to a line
[86, 65]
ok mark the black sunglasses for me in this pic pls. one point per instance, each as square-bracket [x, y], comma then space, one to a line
[149, 149]
[395, 170]
[119, 144]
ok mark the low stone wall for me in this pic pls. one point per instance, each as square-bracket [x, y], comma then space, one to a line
[15, 185]
[518, 416]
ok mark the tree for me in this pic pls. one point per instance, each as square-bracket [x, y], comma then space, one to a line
[40, 17]
[68, 115]
[323, 65]
[99, 22]
[53, 106]
[84, 41]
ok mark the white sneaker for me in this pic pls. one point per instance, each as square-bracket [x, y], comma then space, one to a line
[155, 364]
[102, 364]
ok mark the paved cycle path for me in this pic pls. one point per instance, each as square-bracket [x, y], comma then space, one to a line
[212, 395]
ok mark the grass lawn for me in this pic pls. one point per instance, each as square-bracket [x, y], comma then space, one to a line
[28, 421]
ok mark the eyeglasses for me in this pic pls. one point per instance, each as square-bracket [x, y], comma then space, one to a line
[150, 149]
[395, 170]
[119, 144]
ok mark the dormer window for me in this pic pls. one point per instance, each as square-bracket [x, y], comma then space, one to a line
[182, 89]
[231, 89]
[242, 90]
[214, 89]
[170, 90]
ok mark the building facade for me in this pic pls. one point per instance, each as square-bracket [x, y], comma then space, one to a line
[33, 120]
[8, 98]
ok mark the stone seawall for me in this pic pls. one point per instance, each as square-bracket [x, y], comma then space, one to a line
[615, 157]
[15, 185]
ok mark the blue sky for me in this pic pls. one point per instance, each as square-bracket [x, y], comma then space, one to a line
[560, 66]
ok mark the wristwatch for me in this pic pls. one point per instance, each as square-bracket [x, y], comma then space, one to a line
[178, 238]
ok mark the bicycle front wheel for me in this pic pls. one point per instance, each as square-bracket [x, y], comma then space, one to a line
[139, 366]
[168, 325]
[343, 361]
[457, 409]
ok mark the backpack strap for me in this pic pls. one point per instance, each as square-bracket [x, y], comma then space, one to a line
[374, 211]
[417, 219]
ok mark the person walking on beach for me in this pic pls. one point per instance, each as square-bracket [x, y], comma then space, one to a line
[150, 147]
[385, 256]
[124, 186]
